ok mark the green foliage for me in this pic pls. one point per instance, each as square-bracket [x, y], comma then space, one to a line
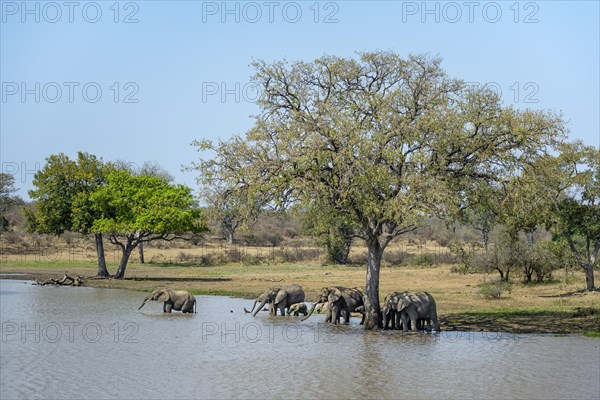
[549, 255]
[494, 289]
[334, 230]
[575, 172]
[7, 182]
[139, 209]
[61, 193]
[383, 140]
[128, 204]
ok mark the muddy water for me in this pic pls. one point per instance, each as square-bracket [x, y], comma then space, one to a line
[63, 342]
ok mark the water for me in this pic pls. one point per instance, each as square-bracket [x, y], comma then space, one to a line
[67, 342]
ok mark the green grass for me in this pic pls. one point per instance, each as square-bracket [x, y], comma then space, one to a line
[592, 334]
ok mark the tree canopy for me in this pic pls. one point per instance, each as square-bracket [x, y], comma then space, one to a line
[386, 141]
[61, 192]
[139, 209]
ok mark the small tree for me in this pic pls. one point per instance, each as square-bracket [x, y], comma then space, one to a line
[140, 209]
[483, 210]
[148, 168]
[334, 230]
[226, 213]
[7, 188]
[575, 216]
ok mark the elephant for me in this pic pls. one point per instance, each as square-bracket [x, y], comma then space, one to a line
[298, 308]
[178, 300]
[341, 301]
[279, 298]
[260, 299]
[321, 307]
[389, 318]
[420, 308]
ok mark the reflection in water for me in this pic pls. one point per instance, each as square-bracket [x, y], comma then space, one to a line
[65, 342]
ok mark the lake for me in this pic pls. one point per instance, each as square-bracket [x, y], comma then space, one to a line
[79, 342]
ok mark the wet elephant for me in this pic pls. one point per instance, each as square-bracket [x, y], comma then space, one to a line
[279, 298]
[178, 300]
[417, 308]
[341, 301]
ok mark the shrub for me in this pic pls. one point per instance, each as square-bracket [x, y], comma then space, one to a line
[422, 259]
[494, 289]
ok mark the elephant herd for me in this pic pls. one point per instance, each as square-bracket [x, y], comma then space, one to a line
[400, 310]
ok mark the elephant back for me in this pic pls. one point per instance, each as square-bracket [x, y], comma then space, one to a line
[295, 293]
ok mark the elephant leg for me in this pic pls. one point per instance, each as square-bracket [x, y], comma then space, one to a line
[348, 314]
[434, 320]
[167, 307]
[328, 315]
[427, 322]
[335, 316]
[404, 322]
[188, 306]
[414, 318]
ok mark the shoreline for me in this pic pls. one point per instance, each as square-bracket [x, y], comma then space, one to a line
[584, 321]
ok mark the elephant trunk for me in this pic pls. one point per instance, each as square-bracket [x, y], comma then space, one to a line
[144, 303]
[311, 310]
[254, 305]
[262, 304]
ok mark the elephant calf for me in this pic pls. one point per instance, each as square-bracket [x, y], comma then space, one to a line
[298, 308]
[178, 300]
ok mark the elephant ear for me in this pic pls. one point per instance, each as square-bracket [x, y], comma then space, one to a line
[334, 295]
[403, 302]
[281, 295]
[387, 306]
[165, 295]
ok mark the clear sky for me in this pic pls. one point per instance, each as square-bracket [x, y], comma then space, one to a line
[140, 80]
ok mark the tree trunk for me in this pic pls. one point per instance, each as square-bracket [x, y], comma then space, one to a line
[140, 247]
[589, 276]
[371, 297]
[229, 235]
[102, 271]
[528, 269]
[586, 264]
[127, 249]
[485, 233]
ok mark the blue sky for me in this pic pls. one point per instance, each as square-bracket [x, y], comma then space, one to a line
[141, 80]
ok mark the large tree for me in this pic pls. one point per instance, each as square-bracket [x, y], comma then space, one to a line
[384, 139]
[139, 209]
[61, 193]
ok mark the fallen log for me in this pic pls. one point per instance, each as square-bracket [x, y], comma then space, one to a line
[66, 280]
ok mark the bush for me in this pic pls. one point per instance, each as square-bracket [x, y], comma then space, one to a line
[494, 289]
[423, 259]
[395, 257]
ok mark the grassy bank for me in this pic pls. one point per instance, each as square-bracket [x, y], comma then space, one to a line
[559, 307]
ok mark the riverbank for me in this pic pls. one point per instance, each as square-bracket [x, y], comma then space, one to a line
[559, 307]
